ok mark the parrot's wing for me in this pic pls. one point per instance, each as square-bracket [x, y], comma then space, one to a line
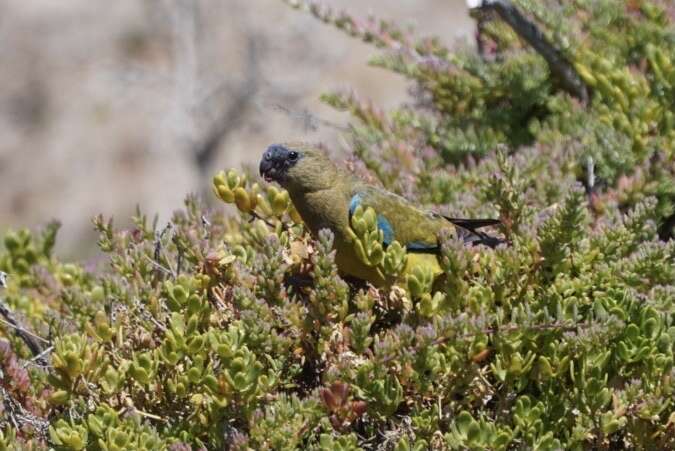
[399, 220]
[416, 229]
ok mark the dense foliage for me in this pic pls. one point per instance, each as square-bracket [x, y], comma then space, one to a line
[236, 330]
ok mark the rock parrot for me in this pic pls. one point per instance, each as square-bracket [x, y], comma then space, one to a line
[327, 196]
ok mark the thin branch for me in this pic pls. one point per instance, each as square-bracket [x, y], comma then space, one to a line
[590, 174]
[32, 340]
[179, 259]
[38, 357]
[527, 30]
[158, 241]
[206, 226]
[159, 252]
[133, 409]
[149, 415]
[255, 216]
[159, 266]
[310, 121]
[233, 115]
[285, 226]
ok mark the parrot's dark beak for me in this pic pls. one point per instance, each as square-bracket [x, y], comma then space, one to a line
[267, 169]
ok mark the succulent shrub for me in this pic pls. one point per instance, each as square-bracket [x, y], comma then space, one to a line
[236, 330]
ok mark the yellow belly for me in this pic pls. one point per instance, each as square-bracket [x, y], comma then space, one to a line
[430, 261]
[348, 262]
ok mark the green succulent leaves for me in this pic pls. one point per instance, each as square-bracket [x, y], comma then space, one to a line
[235, 331]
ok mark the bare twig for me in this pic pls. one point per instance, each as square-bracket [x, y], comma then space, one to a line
[204, 138]
[255, 216]
[38, 357]
[148, 415]
[590, 175]
[310, 121]
[33, 341]
[527, 30]
[159, 267]
[206, 227]
[159, 253]
[158, 241]
[179, 259]
[233, 115]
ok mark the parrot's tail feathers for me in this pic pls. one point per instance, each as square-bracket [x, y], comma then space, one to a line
[467, 231]
[475, 237]
[473, 224]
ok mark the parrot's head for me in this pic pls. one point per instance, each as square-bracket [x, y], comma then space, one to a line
[297, 167]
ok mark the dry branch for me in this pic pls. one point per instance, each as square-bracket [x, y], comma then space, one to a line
[33, 341]
[528, 31]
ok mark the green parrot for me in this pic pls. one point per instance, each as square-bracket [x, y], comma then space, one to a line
[326, 196]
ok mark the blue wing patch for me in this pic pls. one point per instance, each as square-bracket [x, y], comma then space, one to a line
[387, 231]
[355, 202]
[382, 222]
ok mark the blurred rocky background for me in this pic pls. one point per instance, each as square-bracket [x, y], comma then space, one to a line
[106, 105]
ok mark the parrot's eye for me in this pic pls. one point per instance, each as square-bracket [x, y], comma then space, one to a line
[293, 155]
